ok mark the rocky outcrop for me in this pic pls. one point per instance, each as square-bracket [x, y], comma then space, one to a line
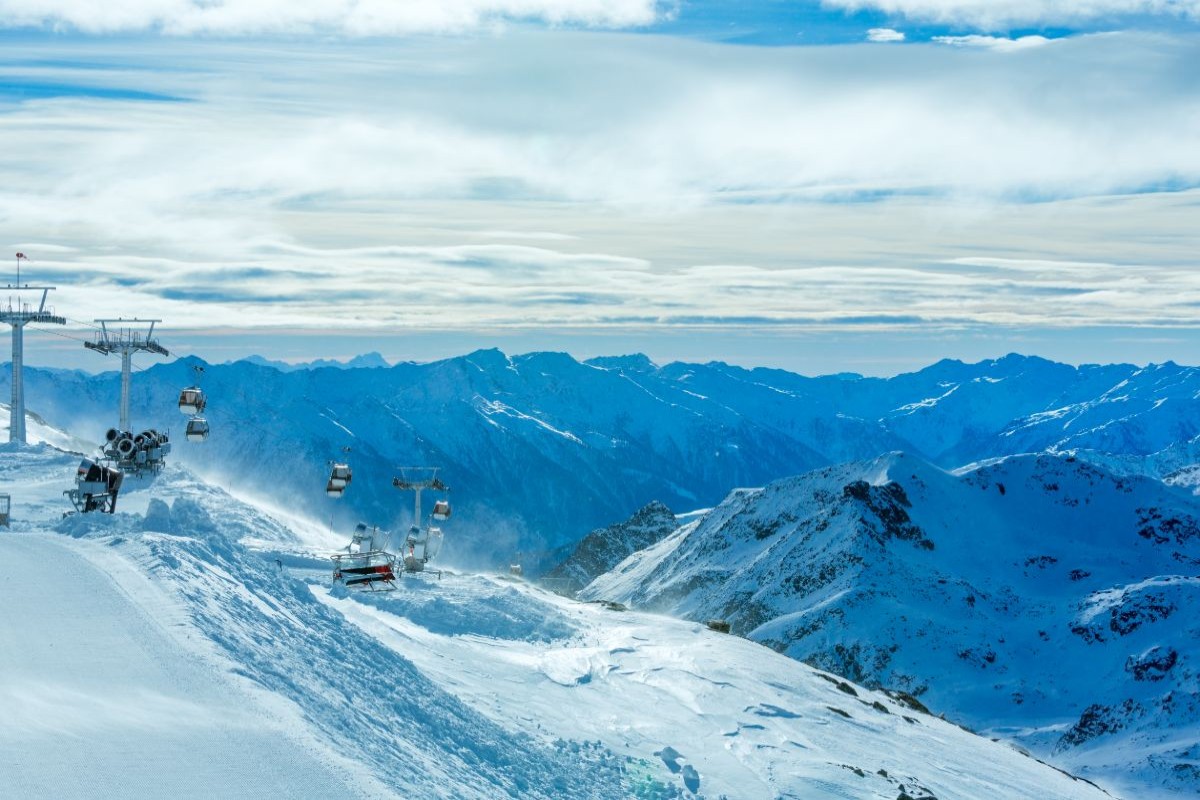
[604, 548]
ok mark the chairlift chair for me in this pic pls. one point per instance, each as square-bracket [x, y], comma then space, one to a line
[367, 564]
[373, 570]
[441, 510]
[423, 547]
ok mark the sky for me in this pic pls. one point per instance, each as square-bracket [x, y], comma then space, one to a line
[847, 185]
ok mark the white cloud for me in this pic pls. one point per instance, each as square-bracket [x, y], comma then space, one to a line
[997, 14]
[998, 43]
[884, 35]
[346, 17]
[668, 183]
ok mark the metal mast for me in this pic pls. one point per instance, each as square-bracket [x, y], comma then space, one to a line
[19, 314]
[431, 481]
[126, 338]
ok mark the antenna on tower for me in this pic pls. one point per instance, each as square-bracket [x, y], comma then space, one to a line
[18, 314]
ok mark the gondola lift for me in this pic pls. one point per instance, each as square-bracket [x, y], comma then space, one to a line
[340, 476]
[192, 400]
[197, 429]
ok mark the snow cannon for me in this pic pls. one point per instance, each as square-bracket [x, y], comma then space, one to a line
[125, 446]
[96, 487]
[112, 434]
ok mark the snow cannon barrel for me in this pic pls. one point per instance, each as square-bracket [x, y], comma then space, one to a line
[146, 439]
[125, 446]
[112, 434]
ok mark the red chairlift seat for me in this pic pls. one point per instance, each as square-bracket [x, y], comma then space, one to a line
[365, 570]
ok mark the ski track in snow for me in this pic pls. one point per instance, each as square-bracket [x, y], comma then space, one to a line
[100, 701]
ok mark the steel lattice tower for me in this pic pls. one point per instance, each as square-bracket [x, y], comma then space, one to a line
[126, 338]
[19, 314]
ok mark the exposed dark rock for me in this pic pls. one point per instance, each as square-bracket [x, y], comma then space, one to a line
[1153, 665]
[603, 549]
[1100, 720]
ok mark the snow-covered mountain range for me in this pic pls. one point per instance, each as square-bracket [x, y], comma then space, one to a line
[1037, 598]
[1043, 598]
[547, 447]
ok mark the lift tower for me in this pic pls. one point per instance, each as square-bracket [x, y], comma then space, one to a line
[126, 337]
[19, 314]
[417, 479]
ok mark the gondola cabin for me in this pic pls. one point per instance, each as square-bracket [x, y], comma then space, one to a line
[441, 510]
[339, 479]
[197, 429]
[192, 401]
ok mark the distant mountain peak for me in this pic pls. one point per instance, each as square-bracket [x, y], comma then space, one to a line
[634, 362]
[363, 361]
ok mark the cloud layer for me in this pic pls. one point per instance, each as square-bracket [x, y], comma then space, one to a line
[639, 183]
[1001, 14]
[346, 17]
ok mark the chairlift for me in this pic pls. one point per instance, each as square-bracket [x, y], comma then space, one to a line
[197, 429]
[367, 564]
[96, 487]
[441, 510]
[423, 546]
[373, 570]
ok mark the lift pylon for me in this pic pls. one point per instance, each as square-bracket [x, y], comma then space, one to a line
[19, 313]
[428, 537]
[126, 337]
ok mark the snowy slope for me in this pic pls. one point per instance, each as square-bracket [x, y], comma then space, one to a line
[167, 641]
[547, 448]
[1038, 598]
[101, 694]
